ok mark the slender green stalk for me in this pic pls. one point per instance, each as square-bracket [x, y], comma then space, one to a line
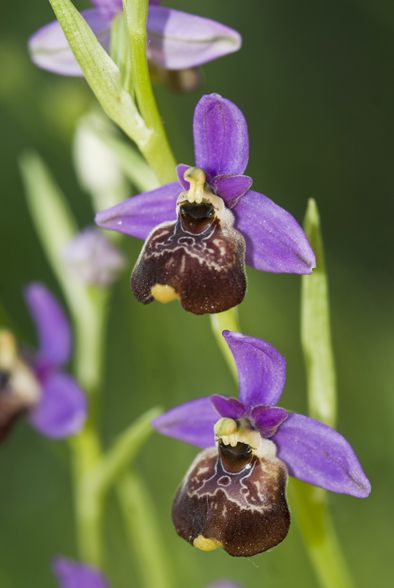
[225, 321]
[309, 503]
[143, 532]
[118, 458]
[88, 504]
[156, 150]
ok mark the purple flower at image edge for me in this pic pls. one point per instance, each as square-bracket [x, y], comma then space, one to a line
[74, 575]
[311, 451]
[55, 404]
[175, 40]
[251, 228]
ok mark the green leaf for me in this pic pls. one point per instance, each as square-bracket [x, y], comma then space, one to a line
[315, 328]
[100, 72]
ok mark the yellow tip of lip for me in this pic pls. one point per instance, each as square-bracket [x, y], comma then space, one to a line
[206, 544]
[7, 350]
[164, 294]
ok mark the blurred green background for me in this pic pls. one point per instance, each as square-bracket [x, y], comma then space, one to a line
[315, 81]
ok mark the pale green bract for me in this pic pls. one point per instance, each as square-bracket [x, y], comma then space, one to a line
[100, 72]
[315, 328]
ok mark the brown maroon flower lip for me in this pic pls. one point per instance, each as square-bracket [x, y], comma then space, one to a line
[199, 259]
[238, 502]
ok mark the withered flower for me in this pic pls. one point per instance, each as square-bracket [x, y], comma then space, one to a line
[33, 383]
[234, 494]
[199, 234]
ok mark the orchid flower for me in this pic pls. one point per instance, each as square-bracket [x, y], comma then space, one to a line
[34, 382]
[234, 494]
[74, 575]
[176, 40]
[200, 232]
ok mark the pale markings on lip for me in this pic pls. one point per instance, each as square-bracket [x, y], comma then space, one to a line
[242, 496]
[202, 251]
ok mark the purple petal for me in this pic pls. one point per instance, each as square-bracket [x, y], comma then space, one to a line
[261, 370]
[177, 40]
[192, 423]
[73, 575]
[139, 215]
[108, 4]
[223, 584]
[231, 188]
[61, 411]
[268, 419]
[275, 242]
[52, 326]
[180, 171]
[318, 455]
[49, 48]
[221, 141]
[228, 407]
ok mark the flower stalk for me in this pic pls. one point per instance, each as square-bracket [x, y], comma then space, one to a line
[226, 321]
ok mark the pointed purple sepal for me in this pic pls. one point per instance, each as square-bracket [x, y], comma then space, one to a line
[261, 370]
[180, 172]
[62, 409]
[52, 326]
[221, 140]
[177, 40]
[318, 455]
[74, 575]
[275, 242]
[50, 50]
[230, 188]
[228, 407]
[192, 422]
[139, 215]
[268, 419]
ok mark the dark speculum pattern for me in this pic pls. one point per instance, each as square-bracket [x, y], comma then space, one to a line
[234, 498]
[201, 257]
[11, 405]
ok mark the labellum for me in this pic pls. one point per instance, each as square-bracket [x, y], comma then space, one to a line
[198, 260]
[234, 495]
[19, 389]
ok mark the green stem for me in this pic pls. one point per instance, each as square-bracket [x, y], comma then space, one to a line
[226, 321]
[88, 504]
[156, 150]
[309, 504]
[143, 532]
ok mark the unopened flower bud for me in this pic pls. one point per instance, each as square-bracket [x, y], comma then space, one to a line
[92, 258]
